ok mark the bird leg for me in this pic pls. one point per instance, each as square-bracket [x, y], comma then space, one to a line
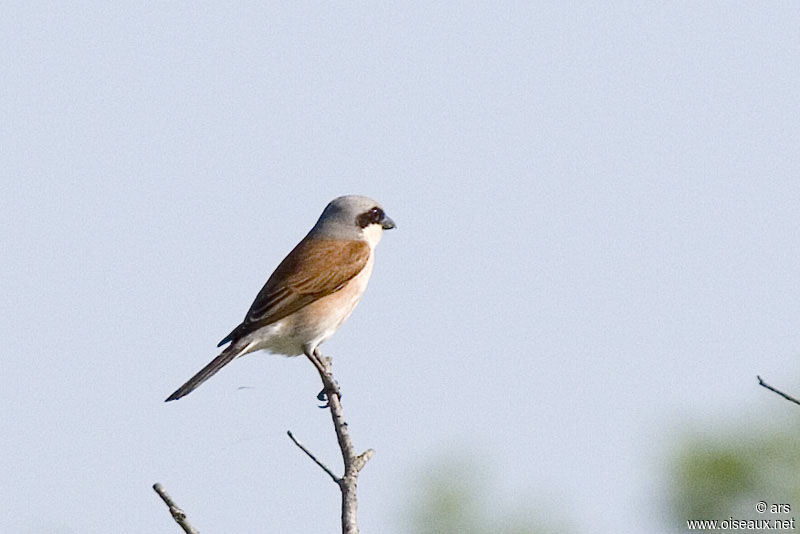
[329, 384]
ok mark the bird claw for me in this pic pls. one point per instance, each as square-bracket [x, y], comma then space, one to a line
[323, 396]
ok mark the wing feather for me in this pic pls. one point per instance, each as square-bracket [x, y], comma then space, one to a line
[313, 269]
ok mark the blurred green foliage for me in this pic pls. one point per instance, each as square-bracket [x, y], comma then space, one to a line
[454, 497]
[710, 473]
[725, 474]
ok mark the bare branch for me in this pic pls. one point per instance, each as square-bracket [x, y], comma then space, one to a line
[311, 455]
[353, 463]
[363, 458]
[177, 514]
[779, 392]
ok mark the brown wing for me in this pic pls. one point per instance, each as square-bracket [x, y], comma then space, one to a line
[314, 269]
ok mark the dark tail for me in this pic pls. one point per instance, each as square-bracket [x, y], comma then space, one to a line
[206, 372]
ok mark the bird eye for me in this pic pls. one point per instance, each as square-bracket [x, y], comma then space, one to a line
[372, 216]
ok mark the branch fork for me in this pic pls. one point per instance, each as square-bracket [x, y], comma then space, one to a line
[353, 463]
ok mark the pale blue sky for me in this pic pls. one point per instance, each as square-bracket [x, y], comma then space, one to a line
[597, 247]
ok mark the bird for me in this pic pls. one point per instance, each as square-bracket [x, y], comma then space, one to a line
[312, 291]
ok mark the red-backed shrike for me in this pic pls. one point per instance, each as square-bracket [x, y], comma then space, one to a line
[312, 291]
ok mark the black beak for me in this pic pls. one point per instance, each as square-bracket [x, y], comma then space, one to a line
[387, 223]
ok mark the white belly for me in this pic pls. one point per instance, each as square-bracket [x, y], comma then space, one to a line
[312, 325]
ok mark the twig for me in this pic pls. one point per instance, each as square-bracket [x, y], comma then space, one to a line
[353, 463]
[177, 514]
[311, 455]
[779, 392]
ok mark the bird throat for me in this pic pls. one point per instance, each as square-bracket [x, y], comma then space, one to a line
[372, 234]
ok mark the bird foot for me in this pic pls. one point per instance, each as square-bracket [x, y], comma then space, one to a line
[324, 394]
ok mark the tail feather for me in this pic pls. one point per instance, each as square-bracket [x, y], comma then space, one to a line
[224, 358]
